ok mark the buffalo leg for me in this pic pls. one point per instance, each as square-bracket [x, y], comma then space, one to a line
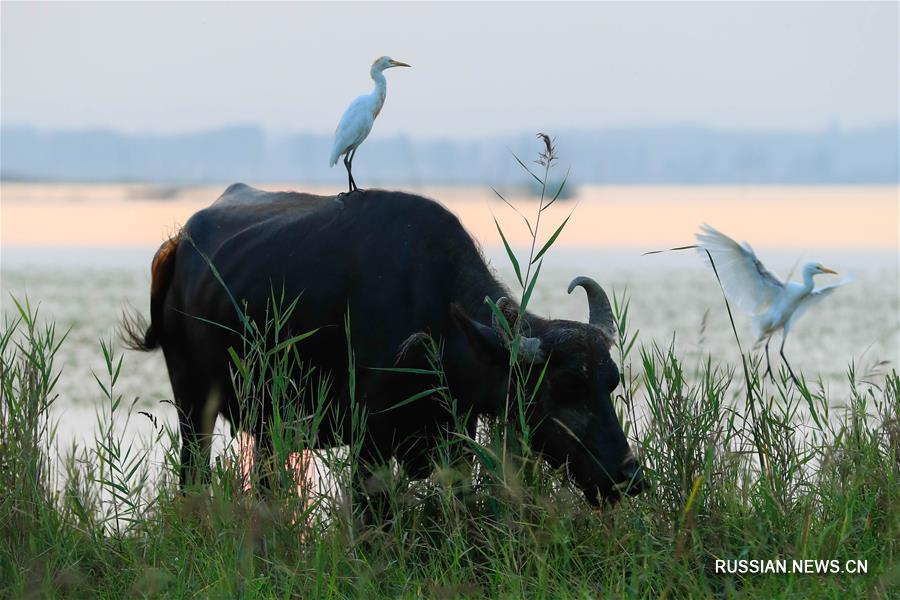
[197, 410]
[465, 461]
[371, 493]
[459, 460]
[196, 439]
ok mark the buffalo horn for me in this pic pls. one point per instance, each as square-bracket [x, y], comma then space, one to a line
[600, 313]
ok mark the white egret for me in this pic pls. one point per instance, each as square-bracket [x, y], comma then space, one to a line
[359, 117]
[773, 304]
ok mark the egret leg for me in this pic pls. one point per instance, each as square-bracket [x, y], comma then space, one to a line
[351, 185]
[786, 363]
[768, 362]
[352, 155]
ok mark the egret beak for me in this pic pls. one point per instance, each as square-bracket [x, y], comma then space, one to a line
[827, 270]
[397, 63]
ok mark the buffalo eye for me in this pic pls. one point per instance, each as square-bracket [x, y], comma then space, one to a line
[613, 378]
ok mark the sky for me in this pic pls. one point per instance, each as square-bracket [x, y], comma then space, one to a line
[478, 68]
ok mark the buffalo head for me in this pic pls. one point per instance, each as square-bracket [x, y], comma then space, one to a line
[572, 416]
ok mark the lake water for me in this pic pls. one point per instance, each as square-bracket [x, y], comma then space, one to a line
[83, 253]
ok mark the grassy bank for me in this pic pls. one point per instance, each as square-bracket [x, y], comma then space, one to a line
[738, 471]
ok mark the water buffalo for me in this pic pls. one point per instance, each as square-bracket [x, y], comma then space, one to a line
[399, 264]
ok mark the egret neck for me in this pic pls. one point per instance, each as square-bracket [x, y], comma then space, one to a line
[380, 91]
[808, 271]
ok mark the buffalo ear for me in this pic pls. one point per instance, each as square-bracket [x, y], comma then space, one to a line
[484, 340]
[509, 309]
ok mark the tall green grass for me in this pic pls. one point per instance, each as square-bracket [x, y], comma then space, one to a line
[739, 467]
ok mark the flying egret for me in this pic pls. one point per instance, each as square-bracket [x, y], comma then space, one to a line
[359, 117]
[773, 304]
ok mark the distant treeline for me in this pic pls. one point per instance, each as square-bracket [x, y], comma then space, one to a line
[638, 155]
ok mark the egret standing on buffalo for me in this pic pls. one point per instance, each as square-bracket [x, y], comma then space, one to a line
[359, 117]
[773, 304]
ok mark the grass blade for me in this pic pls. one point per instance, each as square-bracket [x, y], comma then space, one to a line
[509, 253]
[552, 239]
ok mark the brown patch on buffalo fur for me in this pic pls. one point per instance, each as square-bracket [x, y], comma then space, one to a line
[160, 261]
[136, 332]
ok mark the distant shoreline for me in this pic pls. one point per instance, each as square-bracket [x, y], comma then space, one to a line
[673, 154]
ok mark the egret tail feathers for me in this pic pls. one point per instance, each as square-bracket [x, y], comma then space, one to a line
[759, 333]
[335, 155]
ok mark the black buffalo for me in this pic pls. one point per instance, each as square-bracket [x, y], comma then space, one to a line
[399, 265]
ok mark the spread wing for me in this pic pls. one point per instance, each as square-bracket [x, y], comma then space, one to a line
[747, 282]
[814, 298]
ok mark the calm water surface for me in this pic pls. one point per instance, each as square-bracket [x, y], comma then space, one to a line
[674, 297]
